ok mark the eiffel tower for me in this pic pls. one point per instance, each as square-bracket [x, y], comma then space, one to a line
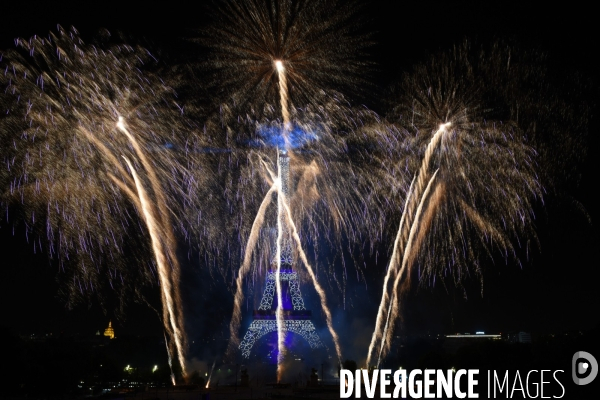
[296, 318]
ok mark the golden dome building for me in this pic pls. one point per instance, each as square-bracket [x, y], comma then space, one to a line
[110, 332]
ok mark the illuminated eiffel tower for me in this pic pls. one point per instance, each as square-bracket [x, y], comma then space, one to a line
[296, 318]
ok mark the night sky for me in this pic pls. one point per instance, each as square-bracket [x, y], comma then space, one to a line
[556, 290]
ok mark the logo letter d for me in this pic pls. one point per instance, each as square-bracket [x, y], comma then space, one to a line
[590, 361]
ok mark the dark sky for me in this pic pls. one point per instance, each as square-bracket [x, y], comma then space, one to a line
[554, 291]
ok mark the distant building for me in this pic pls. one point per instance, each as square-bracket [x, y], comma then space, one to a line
[519, 337]
[454, 342]
[37, 337]
[110, 332]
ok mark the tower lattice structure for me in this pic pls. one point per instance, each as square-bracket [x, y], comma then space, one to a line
[296, 318]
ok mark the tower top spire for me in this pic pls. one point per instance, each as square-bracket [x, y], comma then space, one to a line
[283, 172]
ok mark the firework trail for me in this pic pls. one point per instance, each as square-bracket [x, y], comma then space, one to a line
[283, 176]
[171, 271]
[283, 98]
[406, 223]
[148, 212]
[210, 375]
[378, 333]
[316, 284]
[168, 273]
[479, 199]
[245, 268]
[170, 360]
[393, 307]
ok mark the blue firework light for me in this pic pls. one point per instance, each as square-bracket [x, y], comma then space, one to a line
[295, 139]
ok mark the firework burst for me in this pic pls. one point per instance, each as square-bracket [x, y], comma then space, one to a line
[317, 42]
[474, 187]
[70, 108]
